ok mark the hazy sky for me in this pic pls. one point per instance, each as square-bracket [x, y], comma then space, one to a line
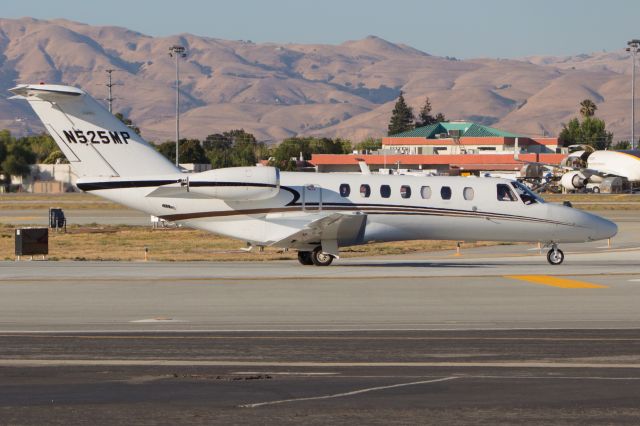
[462, 28]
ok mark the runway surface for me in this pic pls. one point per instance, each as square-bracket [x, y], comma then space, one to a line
[494, 336]
[40, 217]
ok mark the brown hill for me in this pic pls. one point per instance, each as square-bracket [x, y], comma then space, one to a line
[280, 90]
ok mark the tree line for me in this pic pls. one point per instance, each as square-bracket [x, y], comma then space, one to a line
[238, 148]
[233, 148]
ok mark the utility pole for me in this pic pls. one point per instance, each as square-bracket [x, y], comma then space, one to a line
[110, 84]
[634, 47]
[177, 52]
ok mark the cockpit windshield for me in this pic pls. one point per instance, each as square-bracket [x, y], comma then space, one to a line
[526, 195]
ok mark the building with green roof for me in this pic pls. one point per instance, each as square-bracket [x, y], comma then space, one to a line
[465, 129]
[464, 137]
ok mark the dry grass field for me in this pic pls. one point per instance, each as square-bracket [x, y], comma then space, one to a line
[180, 244]
[74, 200]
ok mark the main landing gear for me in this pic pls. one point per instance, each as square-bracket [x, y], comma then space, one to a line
[555, 256]
[315, 257]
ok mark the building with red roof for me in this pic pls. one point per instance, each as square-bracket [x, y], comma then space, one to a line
[453, 148]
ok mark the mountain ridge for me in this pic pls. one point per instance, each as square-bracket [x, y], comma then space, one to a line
[279, 90]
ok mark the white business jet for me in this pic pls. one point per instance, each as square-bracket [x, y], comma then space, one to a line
[313, 213]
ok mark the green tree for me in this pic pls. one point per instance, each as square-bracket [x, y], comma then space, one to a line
[440, 118]
[191, 151]
[217, 148]
[591, 131]
[168, 149]
[55, 157]
[129, 123]
[587, 108]
[328, 146]
[17, 160]
[234, 148]
[401, 117]
[286, 153]
[369, 144]
[5, 140]
[621, 146]
[424, 117]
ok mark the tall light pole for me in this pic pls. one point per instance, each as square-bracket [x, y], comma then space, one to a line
[177, 51]
[634, 47]
[110, 85]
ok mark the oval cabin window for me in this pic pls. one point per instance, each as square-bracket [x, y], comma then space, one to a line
[445, 193]
[345, 190]
[365, 191]
[385, 191]
[468, 193]
[425, 192]
[405, 191]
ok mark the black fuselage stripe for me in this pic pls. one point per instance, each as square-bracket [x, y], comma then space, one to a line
[390, 211]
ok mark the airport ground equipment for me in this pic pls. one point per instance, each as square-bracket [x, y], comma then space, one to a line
[57, 220]
[31, 242]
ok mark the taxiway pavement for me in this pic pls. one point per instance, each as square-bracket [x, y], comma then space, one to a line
[493, 336]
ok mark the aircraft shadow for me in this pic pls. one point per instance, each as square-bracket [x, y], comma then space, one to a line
[418, 265]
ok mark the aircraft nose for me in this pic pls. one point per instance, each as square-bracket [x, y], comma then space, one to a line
[600, 228]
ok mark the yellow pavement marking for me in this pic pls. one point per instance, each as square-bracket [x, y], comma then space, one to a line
[555, 281]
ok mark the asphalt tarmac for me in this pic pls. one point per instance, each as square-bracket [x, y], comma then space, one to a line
[494, 336]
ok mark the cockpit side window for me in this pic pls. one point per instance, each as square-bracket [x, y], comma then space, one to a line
[505, 193]
[526, 195]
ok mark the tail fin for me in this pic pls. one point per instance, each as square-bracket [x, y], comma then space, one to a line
[94, 141]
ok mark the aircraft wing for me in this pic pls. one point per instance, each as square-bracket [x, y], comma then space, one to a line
[327, 231]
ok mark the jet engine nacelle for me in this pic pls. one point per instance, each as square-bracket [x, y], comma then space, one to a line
[236, 183]
[573, 180]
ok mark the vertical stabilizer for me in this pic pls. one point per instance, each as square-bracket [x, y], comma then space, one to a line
[94, 141]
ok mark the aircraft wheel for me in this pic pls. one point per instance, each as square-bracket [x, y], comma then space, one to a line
[555, 257]
[321, 259]
[596, 189]
[304, 257]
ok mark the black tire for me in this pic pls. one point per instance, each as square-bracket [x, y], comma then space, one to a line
[321, 259]
[596, 189]
[304, 257]
[554, 259]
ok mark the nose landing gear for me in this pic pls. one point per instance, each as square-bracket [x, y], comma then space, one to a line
[555, 256]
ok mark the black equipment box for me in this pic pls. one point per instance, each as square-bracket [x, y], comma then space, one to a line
[30, 241]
